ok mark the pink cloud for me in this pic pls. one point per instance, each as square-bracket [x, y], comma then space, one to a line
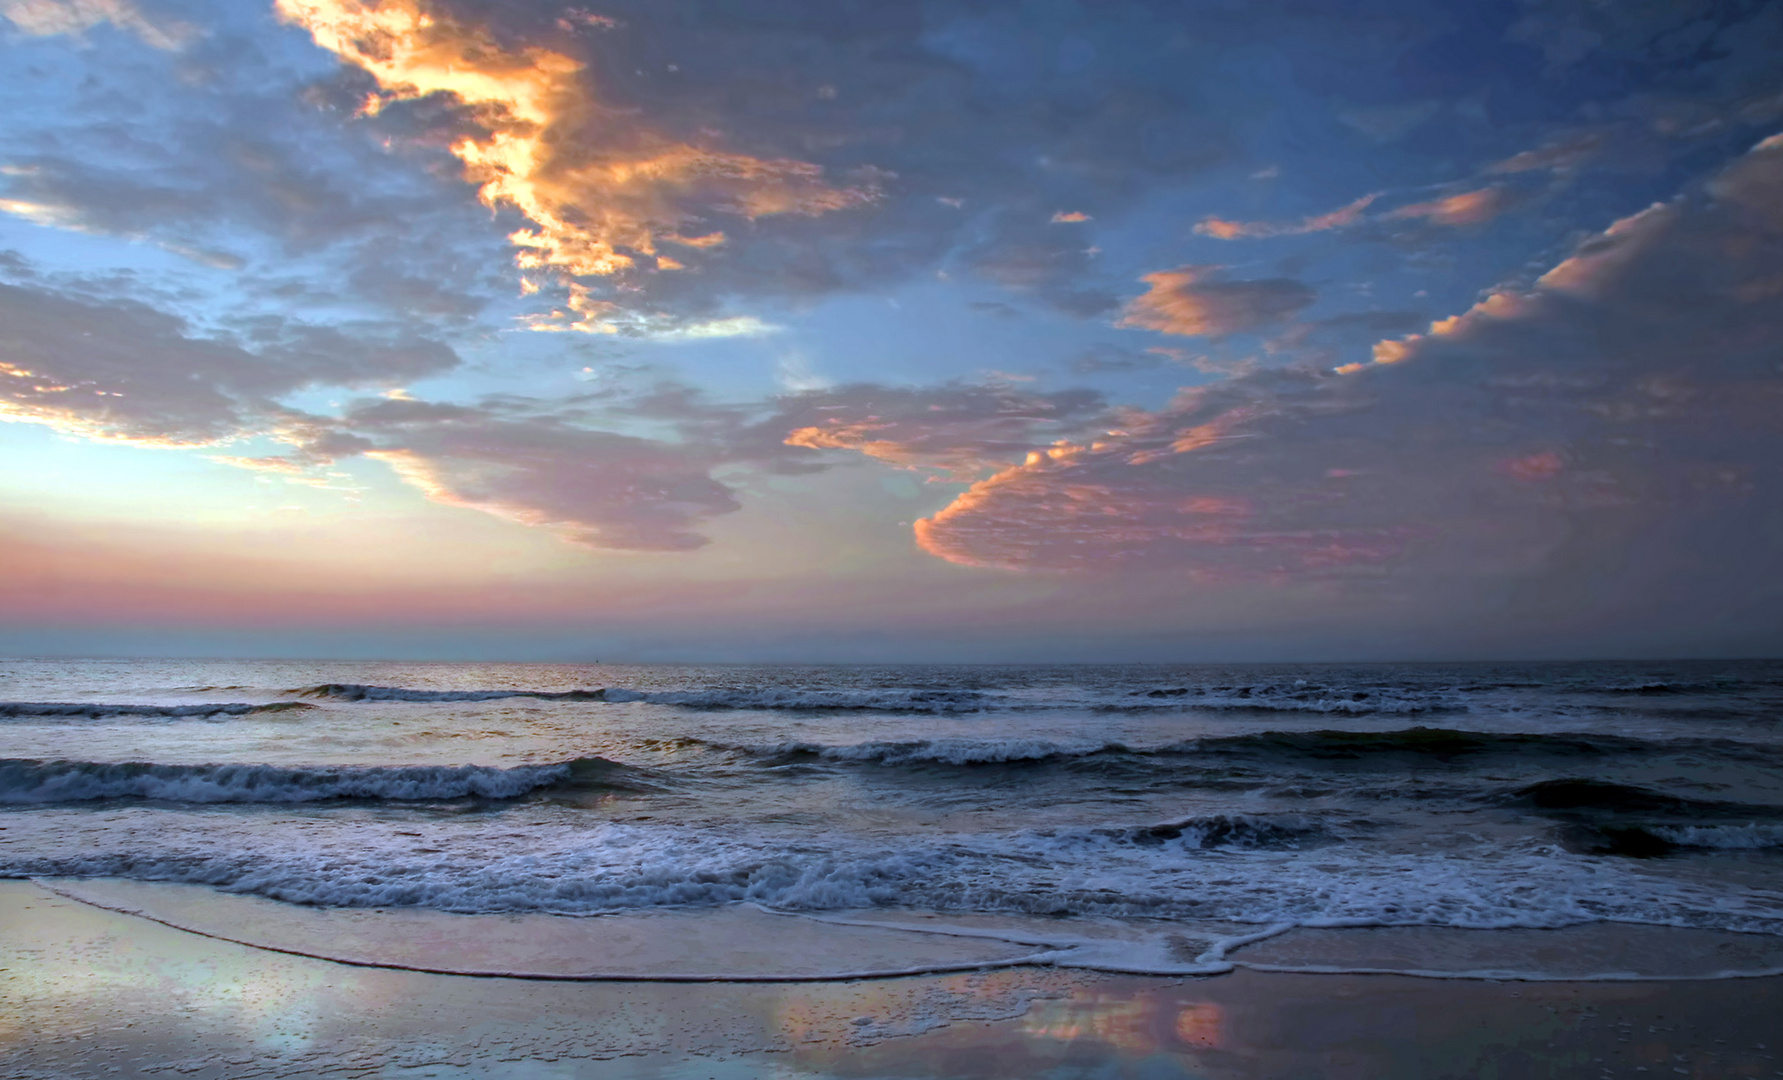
[1631, 393]
[1199, 301]
[1223, 229]
[959, 430]
[1467, 208]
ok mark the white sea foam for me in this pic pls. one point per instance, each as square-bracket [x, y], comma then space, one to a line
[1338, 700]
[785, 698]
[1291, 698]
[1750, 837]
[942, 751]
[771, 698]
[613, 866]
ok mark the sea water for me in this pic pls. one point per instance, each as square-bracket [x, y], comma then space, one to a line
[1441, 796]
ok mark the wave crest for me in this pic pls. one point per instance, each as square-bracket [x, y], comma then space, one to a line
[930, 752]
[1301, 698]
[75, 710]
[360, 692]
[778, 698]
[31, 781]
[1242, 831]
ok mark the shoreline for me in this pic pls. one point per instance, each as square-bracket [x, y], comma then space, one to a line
[94, 993]
[764, 945]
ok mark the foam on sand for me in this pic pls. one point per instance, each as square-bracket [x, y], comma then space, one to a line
[737, 943]
[749, 943]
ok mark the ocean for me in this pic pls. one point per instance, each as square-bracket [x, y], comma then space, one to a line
[1256, 797]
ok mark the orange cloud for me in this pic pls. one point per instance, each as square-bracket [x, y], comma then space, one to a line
[1075, 506]
[1072, 218]
[1623, 404]
[1598, 264]
[1467, 208]
[1223, 229]
[1560, 155]
[858, 436]
[1498, 305]
[1543, 466]
[1090, 510]
[1195, 301]
[603, 191]
[960, 430]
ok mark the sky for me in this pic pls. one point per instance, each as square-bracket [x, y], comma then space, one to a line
[834, 331]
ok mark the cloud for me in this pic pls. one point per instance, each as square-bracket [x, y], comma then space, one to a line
[959, 430]
[1561, 155]
[1466, 208]
[1755, 183]
[1198, 301]
[1222, 229]
[45, 18]
[550, 464]
[1100, 359]
[666, 167]
[601, 190]
[1170, 488]
[591, 316]
[117, 369]
[526, 464]
[1029, 263]
[218, 155]
[597, 488]
[1607, 436]
[1035, 261]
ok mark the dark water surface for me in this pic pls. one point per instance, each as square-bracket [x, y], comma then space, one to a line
[1483, 795]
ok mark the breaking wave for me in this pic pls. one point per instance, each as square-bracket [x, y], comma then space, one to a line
[1183, 869]
[66, 710]
[1302, 698]
[28, 781]
[890, 700]
[1206, 833]
[1751, 837]
[1571, 795]
[1292, 746]
[357, 692]
[1602, 818]
[918, 751]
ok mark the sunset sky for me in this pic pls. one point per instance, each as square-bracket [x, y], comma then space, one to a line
[838, 331]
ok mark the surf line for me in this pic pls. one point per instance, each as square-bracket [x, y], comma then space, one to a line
[1075, 952]
[1041, 959]
[1068, 953]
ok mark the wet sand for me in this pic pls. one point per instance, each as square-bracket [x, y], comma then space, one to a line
[90, 992]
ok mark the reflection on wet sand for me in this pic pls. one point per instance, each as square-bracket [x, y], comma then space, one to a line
[1128, 1024]
[92, 993]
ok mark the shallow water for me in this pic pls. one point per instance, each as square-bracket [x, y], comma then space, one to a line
[1529, 795]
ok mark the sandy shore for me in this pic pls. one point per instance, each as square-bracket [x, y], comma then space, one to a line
[89, 992]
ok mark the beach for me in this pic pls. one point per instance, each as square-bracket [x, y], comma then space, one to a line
[95, 993]
[288, 869]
